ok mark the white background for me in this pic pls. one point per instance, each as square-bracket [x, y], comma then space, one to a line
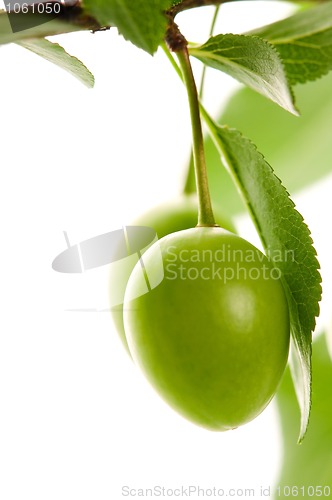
[77, 420]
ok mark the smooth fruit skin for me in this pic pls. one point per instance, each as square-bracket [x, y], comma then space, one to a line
[167, 218]
[215, 349]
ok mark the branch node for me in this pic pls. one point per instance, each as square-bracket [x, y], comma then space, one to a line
[175, 40]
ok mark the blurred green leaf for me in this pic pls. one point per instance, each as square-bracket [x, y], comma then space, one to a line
[251, 61]
[298, 148]
[304, 42]
[45, 26]
[56, 54]
[286, 240]
[141, 22]
[308, 464]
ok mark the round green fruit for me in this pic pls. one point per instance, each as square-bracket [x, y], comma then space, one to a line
[213, 336]
[166, 218]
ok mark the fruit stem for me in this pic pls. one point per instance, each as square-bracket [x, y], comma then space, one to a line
[178, 44]
[205, 213]
[205, 115]
[189, 185]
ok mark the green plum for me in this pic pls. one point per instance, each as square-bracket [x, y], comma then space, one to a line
[181, 213]
[213, 336]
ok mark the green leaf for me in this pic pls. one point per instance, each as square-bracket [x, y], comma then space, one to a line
[252, 61]
[304, 42]
[142, 23]
[56, 54]
[46, 26]
[310, 464]
[300, 149]
[286, 240]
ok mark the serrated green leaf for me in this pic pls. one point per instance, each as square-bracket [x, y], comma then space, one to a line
[283, 233]
[304, 42]
[54, 53]
[46, 26]
[142, 23]
[310, 464]
[251, 61]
